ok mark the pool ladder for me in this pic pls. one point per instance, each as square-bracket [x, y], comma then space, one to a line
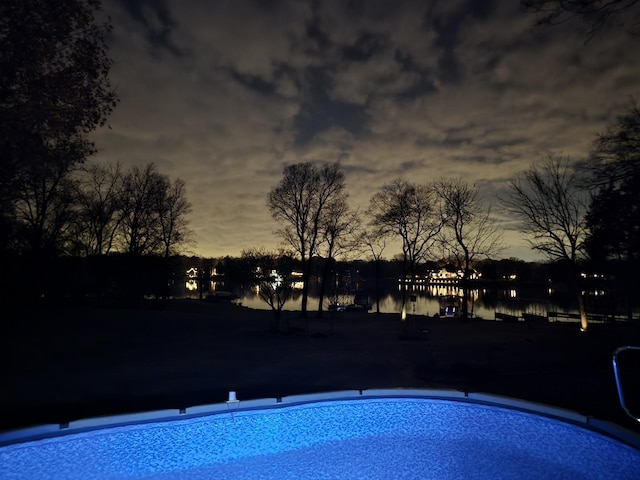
[619, 381]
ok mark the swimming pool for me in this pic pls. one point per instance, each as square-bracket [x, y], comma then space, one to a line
[359, 434]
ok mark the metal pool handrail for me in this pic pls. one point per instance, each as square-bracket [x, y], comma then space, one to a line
[619, 382]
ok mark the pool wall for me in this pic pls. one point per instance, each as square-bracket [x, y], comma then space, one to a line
[54, 430]
[377, 434]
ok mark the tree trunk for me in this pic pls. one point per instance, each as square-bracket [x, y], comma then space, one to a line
[377, 269]
[464, 314]
[325, 275]
[275, 326]
[305, 287]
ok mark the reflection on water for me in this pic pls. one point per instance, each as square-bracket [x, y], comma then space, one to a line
[422, 299]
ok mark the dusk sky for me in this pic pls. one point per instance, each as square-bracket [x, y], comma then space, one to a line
[224, 94]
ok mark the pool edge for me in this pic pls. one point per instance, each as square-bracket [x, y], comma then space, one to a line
[602, 427]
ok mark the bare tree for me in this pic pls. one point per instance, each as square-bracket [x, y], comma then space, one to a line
[271, 272]
[470, 231]
[596, 14]
[375, 244]
[300, 202]
[46, 196]
[98, 208]
[141, 189]
[173, 208]
[338, 237]
[551, 207]
[411, 212]
[153, 212]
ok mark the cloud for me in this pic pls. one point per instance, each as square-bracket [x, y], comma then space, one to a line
[224, 94]
[156, 20]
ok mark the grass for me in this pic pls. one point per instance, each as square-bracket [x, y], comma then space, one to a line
[61, 364]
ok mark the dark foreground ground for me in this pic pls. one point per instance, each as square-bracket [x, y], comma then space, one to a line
[62, 364]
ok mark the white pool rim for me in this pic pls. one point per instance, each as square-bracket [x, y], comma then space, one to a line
[39, 432]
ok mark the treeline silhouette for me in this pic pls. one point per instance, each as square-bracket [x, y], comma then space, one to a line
[126, 280]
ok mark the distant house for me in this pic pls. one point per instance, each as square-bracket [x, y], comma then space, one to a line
[450, 274]
[447, 274]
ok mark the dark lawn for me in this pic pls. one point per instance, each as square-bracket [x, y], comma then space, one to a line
[60, 364]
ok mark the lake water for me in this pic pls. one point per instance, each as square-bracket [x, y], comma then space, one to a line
[423, 300]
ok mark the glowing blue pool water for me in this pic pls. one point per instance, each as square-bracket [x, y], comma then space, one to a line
[400, 437]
